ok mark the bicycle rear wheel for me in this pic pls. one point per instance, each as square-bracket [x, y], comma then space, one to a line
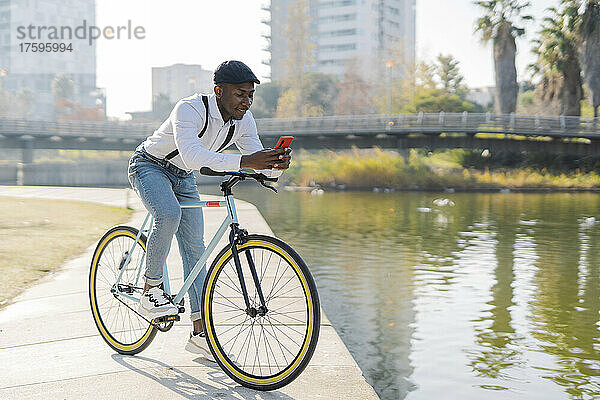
[120, 327]
[261, 352]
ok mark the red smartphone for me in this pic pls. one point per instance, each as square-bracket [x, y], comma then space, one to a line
[284, 141]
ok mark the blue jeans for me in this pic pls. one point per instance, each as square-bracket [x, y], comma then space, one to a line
[161, 186]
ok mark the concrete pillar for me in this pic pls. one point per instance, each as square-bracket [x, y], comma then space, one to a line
[20, 174]
[27, 150]
[403, 149]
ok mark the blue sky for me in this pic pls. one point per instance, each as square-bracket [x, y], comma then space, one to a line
[207, 32]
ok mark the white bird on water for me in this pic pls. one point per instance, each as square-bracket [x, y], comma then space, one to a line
[589, 221]
[443, 203]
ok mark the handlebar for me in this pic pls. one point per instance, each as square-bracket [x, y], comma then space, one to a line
[241, 174]
[237, 176]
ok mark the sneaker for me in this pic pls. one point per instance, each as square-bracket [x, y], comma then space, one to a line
[197, 344]
[155, 303]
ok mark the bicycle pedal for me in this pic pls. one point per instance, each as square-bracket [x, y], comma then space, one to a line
[166, 318]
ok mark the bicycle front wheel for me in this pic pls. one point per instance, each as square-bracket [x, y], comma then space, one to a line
[263, 352]
[119, 325]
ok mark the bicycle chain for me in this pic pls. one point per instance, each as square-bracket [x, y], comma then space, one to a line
[141, 316]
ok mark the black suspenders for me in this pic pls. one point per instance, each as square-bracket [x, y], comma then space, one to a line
[227, 139]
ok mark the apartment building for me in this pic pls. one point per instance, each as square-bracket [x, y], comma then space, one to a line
[374, 36]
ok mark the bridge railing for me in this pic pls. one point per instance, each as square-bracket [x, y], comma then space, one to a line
[435, 123]
[352, 124]
[74, 128]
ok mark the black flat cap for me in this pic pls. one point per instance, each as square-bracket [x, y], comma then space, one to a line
[234, 72]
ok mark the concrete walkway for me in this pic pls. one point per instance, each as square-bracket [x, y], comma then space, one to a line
[50, 347]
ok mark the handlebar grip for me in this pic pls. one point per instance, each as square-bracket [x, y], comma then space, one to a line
[266, 178]
[210, 172]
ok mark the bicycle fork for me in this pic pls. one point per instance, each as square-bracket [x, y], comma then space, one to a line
[240, 236]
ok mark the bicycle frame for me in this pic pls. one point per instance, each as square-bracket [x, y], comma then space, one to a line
[231, 220]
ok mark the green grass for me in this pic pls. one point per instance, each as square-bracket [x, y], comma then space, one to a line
[365, 169]
[38, 236]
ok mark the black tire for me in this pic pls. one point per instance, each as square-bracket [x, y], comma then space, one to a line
[133, 334]
[292, 333]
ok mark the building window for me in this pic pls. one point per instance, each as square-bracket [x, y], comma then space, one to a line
[337, 3]
[337, 18]
[338, 47]
[342, 61]
[341, 32]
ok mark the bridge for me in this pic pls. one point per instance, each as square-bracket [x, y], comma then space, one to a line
[498, 133]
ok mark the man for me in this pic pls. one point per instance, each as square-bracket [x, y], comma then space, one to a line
[160, 171]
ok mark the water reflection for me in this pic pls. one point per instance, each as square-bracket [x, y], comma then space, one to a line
[498, 352]
[497, 296]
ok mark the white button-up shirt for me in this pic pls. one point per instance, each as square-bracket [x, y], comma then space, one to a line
[180, 131]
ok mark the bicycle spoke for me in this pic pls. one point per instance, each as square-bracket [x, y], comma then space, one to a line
[237, 307]
[233, 327]
[257, 355]
[275, 281]
[289, 304]
[263, 346]
[231, 280]
[234, 287]
[230, 318]
[281, 345]
[295, 319]
[247, 338]
[286, 292]
[124, 325]
[267, 348]
[236, 336]
[288, 281]
[286, 325]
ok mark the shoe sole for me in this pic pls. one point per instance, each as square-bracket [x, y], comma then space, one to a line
[151, 316]
[194, 349]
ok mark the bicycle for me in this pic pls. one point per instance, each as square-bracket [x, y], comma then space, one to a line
[262, 327]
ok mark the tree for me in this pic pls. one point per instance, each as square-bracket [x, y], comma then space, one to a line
[589, 31]
[299, 41]
[63, 87]
[437, 100]
[353, 94]
[498, 24]
[314, 97]
[425, 75]
[558, 62]
[431, 87]
[449, 75]
[25, 97]
[265, 100]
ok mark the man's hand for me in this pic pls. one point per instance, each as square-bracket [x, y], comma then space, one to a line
[267, 158]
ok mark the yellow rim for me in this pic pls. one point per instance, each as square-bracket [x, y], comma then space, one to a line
[306, 289]
[95, 312]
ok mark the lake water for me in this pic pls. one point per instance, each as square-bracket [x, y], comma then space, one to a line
[495, 297]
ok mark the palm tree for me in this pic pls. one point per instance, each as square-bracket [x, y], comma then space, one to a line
[558, 61]
[498, 24]
[589, 32]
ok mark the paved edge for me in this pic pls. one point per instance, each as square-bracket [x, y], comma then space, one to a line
[338, 386]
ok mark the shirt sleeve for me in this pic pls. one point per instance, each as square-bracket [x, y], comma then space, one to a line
[187, 122]
[248, 143]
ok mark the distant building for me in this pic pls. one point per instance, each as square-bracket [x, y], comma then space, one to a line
[180, 80]
[171, 84]
[36, 71]
[364, 33]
